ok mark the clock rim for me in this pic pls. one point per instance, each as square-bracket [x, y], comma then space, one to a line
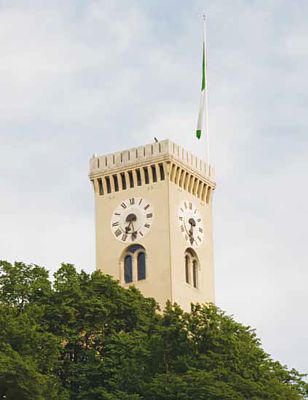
[195, 245]
[145, 232]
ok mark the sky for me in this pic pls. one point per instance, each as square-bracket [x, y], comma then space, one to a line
[82, 77]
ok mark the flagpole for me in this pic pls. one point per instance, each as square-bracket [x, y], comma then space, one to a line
[207, 139]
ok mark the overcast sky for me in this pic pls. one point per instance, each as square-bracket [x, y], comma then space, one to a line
[83, 77]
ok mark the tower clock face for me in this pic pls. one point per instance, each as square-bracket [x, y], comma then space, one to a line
[190, 223]
[132, 219]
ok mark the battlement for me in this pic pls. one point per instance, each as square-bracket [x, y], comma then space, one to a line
[151, 153]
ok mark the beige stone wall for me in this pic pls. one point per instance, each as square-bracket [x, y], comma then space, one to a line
[156, 242]
[184, 293]
[179, 176]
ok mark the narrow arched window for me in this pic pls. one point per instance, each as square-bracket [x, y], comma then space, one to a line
[187, 277]
[133, 264]
[128, 269]
[195, 273]
[141, 270]
[192, 268]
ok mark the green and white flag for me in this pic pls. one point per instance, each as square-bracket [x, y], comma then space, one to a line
[202, 113]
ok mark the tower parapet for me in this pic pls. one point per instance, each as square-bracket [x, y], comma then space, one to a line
[164, 150]
[149, 164]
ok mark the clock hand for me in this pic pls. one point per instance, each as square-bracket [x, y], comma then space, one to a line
[134, 233]
[130, 219]
[192, 223]
[127, 228]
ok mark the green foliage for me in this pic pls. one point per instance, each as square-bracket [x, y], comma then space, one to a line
[84, 337]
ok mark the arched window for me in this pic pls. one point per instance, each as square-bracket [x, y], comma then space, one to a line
[191, 268]
[133, 264]
[187, 277]
[195, 273]
[128, 269]
[141, 266]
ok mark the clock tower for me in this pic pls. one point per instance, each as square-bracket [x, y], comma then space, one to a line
[154, 221]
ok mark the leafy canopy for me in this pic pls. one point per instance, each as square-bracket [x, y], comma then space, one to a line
[84, 337]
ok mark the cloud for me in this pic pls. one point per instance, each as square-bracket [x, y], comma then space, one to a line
[79, 78]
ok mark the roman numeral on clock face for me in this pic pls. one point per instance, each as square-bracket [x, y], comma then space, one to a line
[132, 219]
[190, 223]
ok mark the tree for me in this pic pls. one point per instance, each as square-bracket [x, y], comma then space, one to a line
[85, 337]
[214, 357]
[21, 283]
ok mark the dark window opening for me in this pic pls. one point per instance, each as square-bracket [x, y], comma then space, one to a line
[100, 186]
[146, 175]
[154, 173]
[138, 177]
[116, 183]
[141, 273]
[123, 180]
[107, 179]
[162, 172]
[131, 179]
[195, 283]
[187, 269]
[128, 269]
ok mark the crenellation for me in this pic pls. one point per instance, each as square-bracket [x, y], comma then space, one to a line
[118, 158]
[109, 160]
[164, 150]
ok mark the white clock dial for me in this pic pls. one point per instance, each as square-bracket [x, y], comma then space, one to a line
[132, 219]
[190, 223]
